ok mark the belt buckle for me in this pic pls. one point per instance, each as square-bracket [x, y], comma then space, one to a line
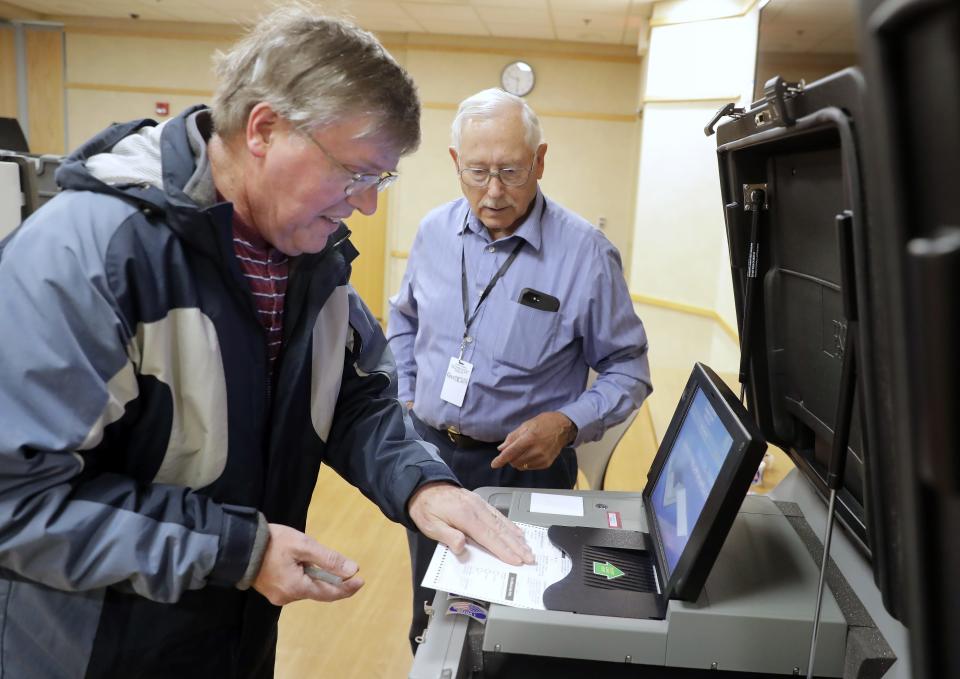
[453, 435]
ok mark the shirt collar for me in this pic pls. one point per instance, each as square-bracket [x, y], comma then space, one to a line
[530, 230]
[246, 232]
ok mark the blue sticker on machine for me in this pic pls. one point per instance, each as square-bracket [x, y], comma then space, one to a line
[468, 608]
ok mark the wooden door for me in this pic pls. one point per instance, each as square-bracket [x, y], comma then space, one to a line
[44, 60]
[370, 238]
[8, 73]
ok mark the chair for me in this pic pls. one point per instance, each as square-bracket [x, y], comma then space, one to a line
[28, 181]
[37, 178]
[46, 169]
[11, 197]
[593, 458]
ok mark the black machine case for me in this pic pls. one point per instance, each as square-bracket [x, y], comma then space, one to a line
[798, 229]
[911, 55]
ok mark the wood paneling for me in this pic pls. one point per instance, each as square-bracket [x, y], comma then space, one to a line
[141, 89]
[510, 47]
[44, 59]
[548, 113]
[10, 11]
[8, 73]
[370, 238]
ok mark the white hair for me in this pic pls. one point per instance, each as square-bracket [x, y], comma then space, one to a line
[486, 104]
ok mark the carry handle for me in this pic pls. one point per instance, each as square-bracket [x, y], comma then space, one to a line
[933, 267]
[730, 109]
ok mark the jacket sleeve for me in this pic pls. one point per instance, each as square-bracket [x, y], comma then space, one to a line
[65, 375]
[615, 346]
[372, 441]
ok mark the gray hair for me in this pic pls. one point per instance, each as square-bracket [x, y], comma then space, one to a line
[486, 104]
[315, 70]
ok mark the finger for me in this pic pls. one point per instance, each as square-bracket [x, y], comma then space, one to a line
[513, 436]
[310, 551]
[500, 521]
[505, 545]
[514, 540]
[322, 591]
[522, 465]
[508, 453]
[451, 537]
[534, 457]
[502, 537]
[498, 516]
[317, 573]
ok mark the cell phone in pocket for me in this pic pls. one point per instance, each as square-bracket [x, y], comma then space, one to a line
[538, 300]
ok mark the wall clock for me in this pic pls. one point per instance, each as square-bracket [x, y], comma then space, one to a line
[517, 78]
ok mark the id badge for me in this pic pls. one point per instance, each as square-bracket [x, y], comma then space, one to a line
[455, 383]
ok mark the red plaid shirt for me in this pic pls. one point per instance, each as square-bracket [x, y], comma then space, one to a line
[266, 270]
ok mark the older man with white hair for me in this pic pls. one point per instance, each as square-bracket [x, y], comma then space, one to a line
[508, 301]
[182, 351]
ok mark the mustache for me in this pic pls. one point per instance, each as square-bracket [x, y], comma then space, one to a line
[493, 205]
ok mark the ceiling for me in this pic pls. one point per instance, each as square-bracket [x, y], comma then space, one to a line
[787, 25]
[812, 26]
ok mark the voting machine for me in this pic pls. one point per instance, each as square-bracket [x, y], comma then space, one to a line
[803, 267]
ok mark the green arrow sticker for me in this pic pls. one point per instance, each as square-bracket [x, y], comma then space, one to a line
[607, 570]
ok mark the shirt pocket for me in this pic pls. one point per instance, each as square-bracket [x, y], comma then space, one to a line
[527, 337]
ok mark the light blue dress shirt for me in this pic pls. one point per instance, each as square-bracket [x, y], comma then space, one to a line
[525, 360]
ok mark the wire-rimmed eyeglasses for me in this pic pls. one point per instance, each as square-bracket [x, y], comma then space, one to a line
[359, 181]
[479, 177]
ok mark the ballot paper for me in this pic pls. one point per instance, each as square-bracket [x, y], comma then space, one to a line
[477, 574]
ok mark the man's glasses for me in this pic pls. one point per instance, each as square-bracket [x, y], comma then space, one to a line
[479, 177]
[359, 181]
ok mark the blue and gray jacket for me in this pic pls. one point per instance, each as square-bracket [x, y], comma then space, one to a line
[140, 454]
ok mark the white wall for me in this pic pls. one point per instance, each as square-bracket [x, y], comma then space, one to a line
[113, 78]
[680, 256]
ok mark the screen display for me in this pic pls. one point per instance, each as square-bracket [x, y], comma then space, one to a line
[688, 476]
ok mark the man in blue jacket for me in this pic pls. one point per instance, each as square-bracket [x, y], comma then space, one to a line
[182, 350]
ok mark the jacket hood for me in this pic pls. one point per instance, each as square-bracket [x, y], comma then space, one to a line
[149, 162]
[135, 159]
[162, 168]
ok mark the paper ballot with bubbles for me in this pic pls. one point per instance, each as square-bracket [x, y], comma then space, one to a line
[477, 574]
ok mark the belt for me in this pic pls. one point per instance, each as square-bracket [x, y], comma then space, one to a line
[464, 441]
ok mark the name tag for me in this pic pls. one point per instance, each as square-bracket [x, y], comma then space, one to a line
[455, 383]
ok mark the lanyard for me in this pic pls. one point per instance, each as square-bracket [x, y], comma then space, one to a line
[468, 319]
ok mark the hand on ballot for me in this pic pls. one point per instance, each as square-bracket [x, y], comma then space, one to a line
[478, 575]
[450, 515]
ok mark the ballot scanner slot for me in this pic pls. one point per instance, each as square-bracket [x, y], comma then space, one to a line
[614, 573]
[638, 568]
